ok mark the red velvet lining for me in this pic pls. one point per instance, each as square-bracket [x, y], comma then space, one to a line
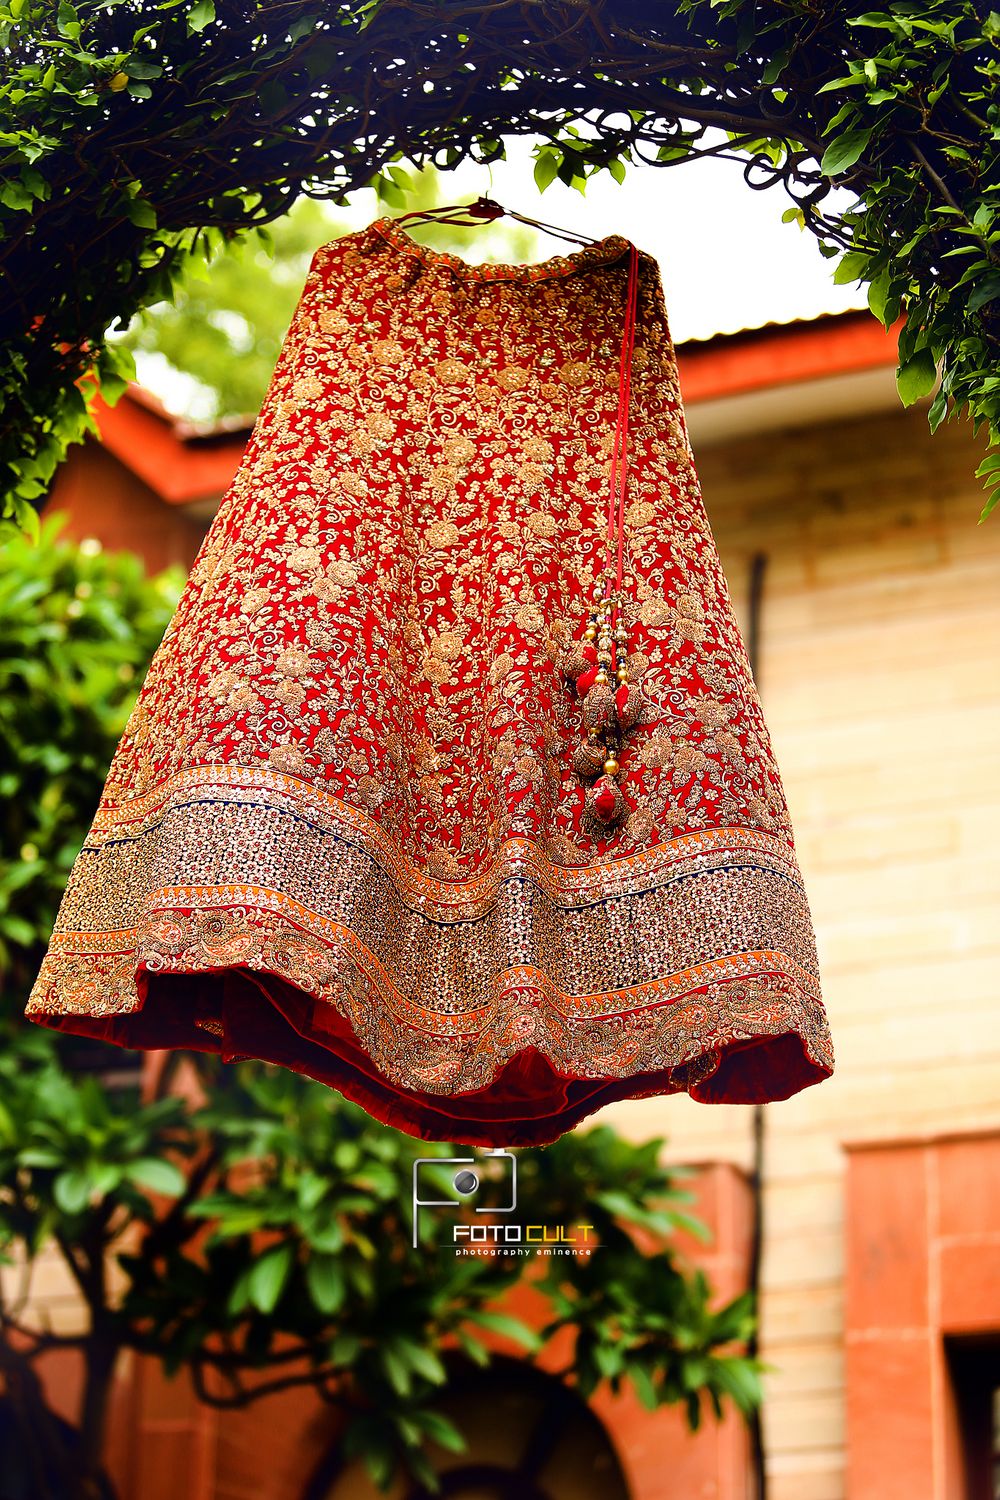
[529, 1102]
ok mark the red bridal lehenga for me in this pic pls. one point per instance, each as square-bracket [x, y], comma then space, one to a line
[350, 825]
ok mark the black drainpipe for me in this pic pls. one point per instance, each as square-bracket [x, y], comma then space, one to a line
[758, 567]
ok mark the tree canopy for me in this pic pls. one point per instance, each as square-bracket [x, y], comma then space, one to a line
[134, 132]
[217, 331]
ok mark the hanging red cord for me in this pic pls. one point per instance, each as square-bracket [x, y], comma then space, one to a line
[595, 662]
[482, 211]
[619, 452]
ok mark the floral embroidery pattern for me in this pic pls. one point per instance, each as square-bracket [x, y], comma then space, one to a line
[349, 765]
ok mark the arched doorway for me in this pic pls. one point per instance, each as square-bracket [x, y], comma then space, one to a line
[529, 1438]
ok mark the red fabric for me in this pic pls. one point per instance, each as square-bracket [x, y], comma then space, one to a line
[343, 831]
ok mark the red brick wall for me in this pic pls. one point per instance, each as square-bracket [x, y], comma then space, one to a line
[922, 1283]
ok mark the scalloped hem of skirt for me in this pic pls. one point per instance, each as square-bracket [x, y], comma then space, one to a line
[241, 1013]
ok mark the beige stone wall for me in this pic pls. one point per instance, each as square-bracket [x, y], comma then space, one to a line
[880, 674]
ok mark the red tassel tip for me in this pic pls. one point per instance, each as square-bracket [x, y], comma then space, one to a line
[606, 804]
[585, 682]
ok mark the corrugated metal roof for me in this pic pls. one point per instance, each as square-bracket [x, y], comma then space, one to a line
[700, 329]
[699, 312]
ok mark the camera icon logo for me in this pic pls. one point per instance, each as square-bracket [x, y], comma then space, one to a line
[464, 1182]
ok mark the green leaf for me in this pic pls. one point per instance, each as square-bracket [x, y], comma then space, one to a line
[642, 1383]
[916, 377]
[344, 1349]
[472, 1347]
[67, 20]
[878, 298]
[851, 267]
[140, 212]
[267, 1280]
[36, 1157]
[691, 1226]
[239, 1297]
[609, 1359]
[302, 27]
[509, 1327]
[310, 1190]
[442, 1431]
[113, 387]
[845, 80]
[328, 1237]
[844, 152]
[546, 168]
[236, 1222]
[325, 1280]
[426, 1363]
[71, 1191]
[738, 1379]
[36, 183]
[157, 1176]
[15, 195]
[987, 291]
[938, 410]
[736, 1320]
[201, 14]
[397, 1369]
[142, 67]
[381, 1465]
[105, 1179]
[17, 930]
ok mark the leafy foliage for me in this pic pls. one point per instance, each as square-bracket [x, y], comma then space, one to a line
[917, 131]
[219, 330]
[133, 134]
[224, 336]
[77, 629]
[252, 1227]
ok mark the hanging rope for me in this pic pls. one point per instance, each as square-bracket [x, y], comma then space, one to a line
[484, 211]
[596, 662]
[619, 452]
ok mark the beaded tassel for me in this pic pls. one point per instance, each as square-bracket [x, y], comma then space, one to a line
[596, 662]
